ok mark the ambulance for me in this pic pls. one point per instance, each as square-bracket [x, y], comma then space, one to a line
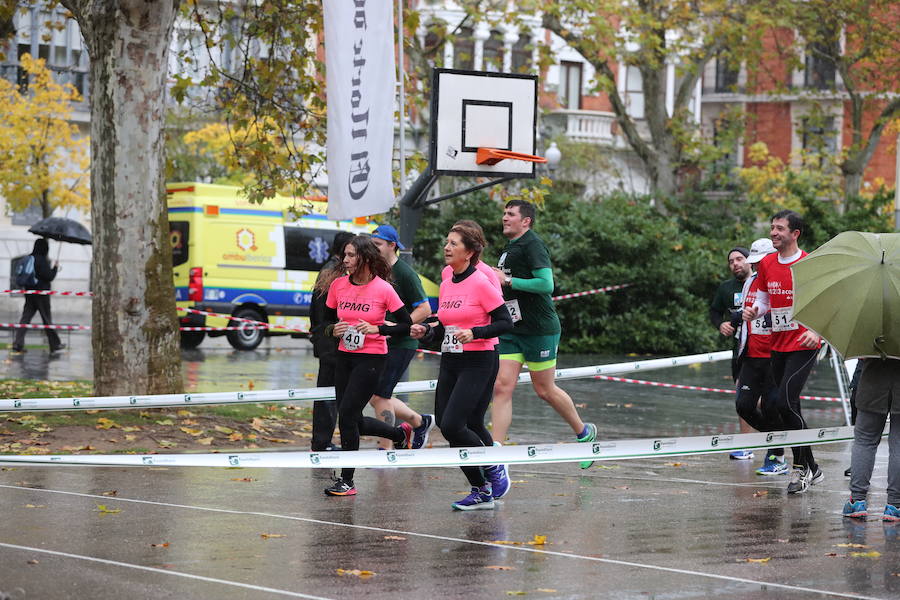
[249, 261]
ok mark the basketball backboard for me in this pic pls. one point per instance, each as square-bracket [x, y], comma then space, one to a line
[476, 109]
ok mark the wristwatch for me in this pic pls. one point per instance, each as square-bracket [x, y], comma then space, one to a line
[508, 280]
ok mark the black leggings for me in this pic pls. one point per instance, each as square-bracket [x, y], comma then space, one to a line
[790, 370]
[355, 376]
[463, 393]
[757, 397]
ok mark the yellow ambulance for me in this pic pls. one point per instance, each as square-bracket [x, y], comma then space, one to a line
[250, 261]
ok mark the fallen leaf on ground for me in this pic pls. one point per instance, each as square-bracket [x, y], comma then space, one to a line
[675, 464]
[628, 405]
[130, 437]
[167, 443]
[258, 425]
[500, 568]
[758, 560]
[850, 546]
[236, 436]
[104, 423]
[207, 441]
[35, 506]
[32, 561]
[189, 431]
[760, 493]
[129, 429]
[223, 429]
[309, 376]
[185, 413]
[250, 385]
[394, 537]
[267, 536]
[276, 440]
[538, 540]
[165, 422]
[515, 593]
[355, 572]
[163, 545]
[242, 479]
[607, 467]
[517, 481]
[107, 511]
[832, 554]
[110, 493]
[189, 422]
[872, 554]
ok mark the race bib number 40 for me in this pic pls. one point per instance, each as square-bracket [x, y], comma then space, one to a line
[514, 311]
[783, 319]
[353, 339]
[451, 343]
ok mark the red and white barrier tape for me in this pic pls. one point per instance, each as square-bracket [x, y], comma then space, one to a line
[257, 324]
[30, 326]
[589, 292]
[695, 388]
[47, 293]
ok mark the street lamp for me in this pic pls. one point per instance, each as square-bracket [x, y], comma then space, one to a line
[553, 156]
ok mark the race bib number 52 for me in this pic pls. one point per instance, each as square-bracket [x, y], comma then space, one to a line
[783, 319]
[353, 339]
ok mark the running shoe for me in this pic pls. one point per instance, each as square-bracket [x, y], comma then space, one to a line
[505, 469]
[741, 455]
[891, 513]
[478, 499]
[800, 478]
[341, 488]
[773, 465]
[817, 477]
[855, 510]
[590, 436]
[420, 433]
[406, 444]
[498, 477]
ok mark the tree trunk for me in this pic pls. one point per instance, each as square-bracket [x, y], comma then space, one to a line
[135, 328]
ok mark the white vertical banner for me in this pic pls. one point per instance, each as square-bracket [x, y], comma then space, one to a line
[360, 81]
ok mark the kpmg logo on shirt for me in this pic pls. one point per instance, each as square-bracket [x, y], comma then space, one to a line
[453, 302]
[357, 306]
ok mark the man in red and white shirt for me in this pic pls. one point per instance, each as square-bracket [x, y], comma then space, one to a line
[794, 347]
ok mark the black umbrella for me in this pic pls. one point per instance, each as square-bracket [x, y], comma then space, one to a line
[62, 230]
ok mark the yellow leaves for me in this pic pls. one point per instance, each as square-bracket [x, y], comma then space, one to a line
[277, 440]
[355, 573]
[225, 430]
[162, 545]
[394, 537]
[258, 425]
[850, 546]
[35, 506]
[193, 432]
[760, 493]
[104, 423]
[872, 554]
[537, 540]
[758, 560]
[500, 568]
[676, 464]
[165, 422]
[102, 509]
[246, 479]
[207, 441]
[269, 536]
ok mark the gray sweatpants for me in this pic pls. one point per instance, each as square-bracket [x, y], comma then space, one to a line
[866, 437]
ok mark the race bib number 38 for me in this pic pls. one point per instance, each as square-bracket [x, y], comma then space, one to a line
[353, 339]
[451, 343]
[783, 319]
[514, 311]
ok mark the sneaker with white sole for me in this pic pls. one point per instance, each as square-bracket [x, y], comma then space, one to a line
[855, 510]
[773, 465]
[891, 513]
[741, 455]
[341, 488]
[817, 476]
[478, 499]
[498, 477]
[406, 444]
[590, 436]
[420, 433]
[800, 479]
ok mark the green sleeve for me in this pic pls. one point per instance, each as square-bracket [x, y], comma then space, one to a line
[541, 283]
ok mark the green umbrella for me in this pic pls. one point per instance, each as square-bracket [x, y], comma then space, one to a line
[848, 291]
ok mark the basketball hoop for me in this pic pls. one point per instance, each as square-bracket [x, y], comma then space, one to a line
[491, 156]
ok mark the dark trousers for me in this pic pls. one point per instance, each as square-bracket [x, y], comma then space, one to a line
[757, 396]
[324, 411]
[355, 376]
[791, 370]
[461, 401]
[35, 303]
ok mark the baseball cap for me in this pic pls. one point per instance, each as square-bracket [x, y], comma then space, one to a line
[759, 249]
[388, 234]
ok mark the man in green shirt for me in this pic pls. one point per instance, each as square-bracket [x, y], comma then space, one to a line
[400, 349]
[727, 303]
[526, 274]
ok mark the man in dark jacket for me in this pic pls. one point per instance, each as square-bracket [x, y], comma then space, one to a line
[39, 302]
[325, 349]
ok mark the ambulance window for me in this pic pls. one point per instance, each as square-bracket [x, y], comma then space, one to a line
[306, 249]
[178, 235]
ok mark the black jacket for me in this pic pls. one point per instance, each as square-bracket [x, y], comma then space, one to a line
[45, 273]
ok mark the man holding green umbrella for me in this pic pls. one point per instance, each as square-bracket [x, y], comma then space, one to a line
[794, 347]
[849, 291]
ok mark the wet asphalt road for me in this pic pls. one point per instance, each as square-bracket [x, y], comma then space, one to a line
[692, 527]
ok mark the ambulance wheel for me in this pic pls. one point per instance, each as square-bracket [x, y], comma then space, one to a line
[246, 339]
[191, 339]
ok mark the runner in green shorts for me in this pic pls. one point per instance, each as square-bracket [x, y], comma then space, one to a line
[526, 273]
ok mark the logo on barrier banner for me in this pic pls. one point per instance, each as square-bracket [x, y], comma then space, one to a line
[234, 460]
[391, 457]
[17, 403]
[670, 444]
[775, 436]
[314, 459]
[714, 442]
[187, 397]
[432, 384]
[76, 402]
[769, 437]
[831, 432]
[657, 444]
[595, 448]
[532, 451]
[132, 400]
[147, 460]
[464, 454]
[240, 395]
[291, 393]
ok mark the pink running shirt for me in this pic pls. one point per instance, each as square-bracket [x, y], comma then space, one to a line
[466, 305]
[447, 273]
[368, 302]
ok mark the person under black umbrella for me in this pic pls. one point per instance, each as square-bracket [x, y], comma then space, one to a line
[34, 303]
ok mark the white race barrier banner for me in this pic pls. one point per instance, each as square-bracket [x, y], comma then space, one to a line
[452, 457]
[324, 393]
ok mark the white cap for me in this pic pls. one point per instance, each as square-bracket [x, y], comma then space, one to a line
[759, 249]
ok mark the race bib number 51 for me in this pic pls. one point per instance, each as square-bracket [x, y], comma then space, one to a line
[353, 339]
[451, 343]
[783, 319]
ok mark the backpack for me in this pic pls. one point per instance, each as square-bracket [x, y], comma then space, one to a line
[25, 275]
